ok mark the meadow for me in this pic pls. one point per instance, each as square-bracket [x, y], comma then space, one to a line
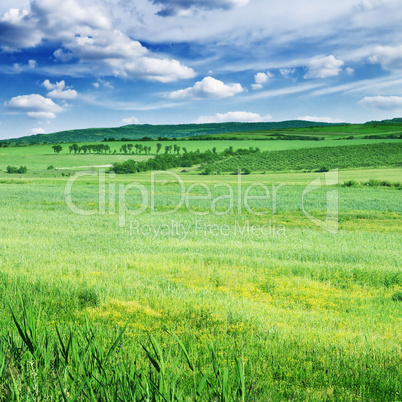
[40, 157]
[225, 297]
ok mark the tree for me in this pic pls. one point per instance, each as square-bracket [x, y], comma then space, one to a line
[57, 149]
[158, 147]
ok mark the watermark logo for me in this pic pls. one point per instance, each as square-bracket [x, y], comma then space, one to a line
[130, 201]
[184, 230]
[330, 224]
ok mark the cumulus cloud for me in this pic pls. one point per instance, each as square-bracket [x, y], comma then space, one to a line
[208, 88]
[320, 119]
[234, 117]
[130, 120]
[86, 34]
[322, 68]
[121, 56]
[47, 19]
[152, 69]
[389, 57]
[260, 79]
[38, 130]
[35, 106]
[188, 7]
[59, 90]
[382, 102]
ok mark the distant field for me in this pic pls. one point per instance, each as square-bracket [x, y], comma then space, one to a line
[39, 157]
[329, 132]
[352, 156]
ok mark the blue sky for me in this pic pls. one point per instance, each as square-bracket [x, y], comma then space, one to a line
[68, 64]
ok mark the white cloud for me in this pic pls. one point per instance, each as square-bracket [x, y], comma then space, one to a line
[47, 19]
[38, 130]
[87, 33]
[116, 54]
[349, 70]
[208, 88]
[63, 56]
[185, 8]
[162, 70]
[260, 79]
[326, 67]
[287, 72]
[130, 120]
[382, 102]
[389, 57]
[36, 106]
[58, 91]
[106, 45]
[24, 67]
[320, 119]
[234, 117]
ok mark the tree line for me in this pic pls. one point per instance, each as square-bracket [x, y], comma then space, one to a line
[171, 160]
[126, 149]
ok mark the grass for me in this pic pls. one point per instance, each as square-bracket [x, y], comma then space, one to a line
[285, 311]
[40, 157]
[227, 297]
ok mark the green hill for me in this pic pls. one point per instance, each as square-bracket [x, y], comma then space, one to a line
[139, 131]
[284, 130]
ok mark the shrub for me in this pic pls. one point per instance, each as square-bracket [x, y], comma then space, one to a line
[379, 183]
[51, 167]
[350, 183]
[13, 169]
[323, 169]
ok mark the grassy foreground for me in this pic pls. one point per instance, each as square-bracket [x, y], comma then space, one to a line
[210, 302]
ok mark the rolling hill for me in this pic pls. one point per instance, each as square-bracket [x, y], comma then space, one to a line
[139, 131]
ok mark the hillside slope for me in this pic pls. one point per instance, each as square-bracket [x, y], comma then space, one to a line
[138, 131]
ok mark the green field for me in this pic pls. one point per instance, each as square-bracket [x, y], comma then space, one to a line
[215, 296]
[324, 158]
[39, 157]
[357, 131]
